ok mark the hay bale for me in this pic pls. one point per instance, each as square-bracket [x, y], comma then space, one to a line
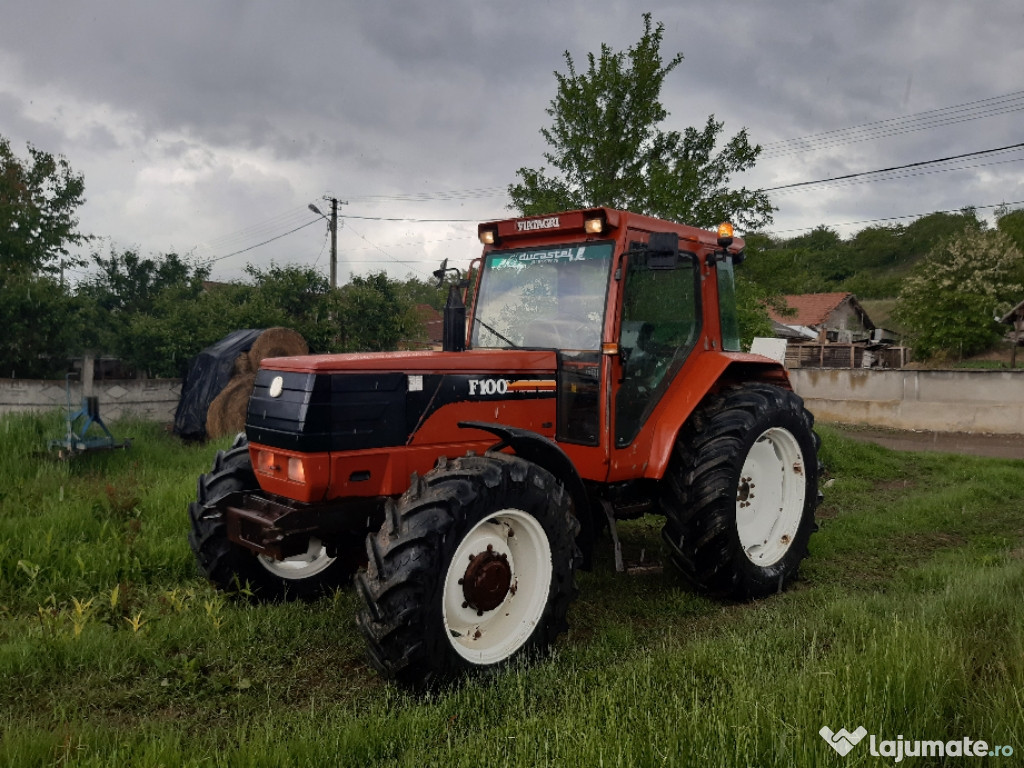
[277, 342]
[242, 365]
[226, 415]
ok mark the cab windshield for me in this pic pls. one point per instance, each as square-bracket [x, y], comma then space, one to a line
[546, 297]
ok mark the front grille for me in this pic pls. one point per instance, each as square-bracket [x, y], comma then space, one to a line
[328, 412]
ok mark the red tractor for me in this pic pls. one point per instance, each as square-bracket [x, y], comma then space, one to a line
[595, 375]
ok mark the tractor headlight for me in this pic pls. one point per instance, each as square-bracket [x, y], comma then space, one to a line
[276, 465]
[296, 470]
[266, 463]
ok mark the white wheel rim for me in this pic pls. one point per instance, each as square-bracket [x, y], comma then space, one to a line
[517, 549]
[770, 496]
[303, 566]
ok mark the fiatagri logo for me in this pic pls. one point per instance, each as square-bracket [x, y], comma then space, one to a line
[842, 741]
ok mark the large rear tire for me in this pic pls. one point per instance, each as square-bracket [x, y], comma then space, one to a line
[233, 568]
[474, 566]
[740, 492]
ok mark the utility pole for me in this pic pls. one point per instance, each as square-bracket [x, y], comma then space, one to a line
[332, 223]
[334, 243]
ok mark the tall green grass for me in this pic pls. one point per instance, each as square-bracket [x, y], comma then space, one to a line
[907, 620]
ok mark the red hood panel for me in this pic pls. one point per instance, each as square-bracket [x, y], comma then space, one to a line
[476, 360]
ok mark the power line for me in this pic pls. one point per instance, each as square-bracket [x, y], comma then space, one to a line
[896, 168]
[1014, 95]
[934, 118]
[420, 221]
[846, 178]
[382, 251]
[814, 146]
[462, 236]
[423, 197]
[894, 218]
[926, 173]
[261, 229]
[327, 236]
[257, 245]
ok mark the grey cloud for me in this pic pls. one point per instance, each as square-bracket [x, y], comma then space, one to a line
[404, 97]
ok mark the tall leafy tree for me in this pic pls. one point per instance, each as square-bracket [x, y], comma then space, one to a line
[1012, 223]
[419, 291]
[373, 315]
[129, 291]
[39, 199]
[128, 282]
[950, 300]
[37, 327]
[608, 147]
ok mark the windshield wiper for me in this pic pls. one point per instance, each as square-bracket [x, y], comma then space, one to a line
[503, 338]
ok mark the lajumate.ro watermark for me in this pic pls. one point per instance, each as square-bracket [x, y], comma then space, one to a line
[842, 741]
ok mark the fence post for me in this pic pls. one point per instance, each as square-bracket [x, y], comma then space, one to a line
[88, 371]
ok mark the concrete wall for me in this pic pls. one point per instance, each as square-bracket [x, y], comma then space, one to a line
[149, 399]
[943, 401]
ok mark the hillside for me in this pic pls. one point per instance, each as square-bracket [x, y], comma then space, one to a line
[872, 264]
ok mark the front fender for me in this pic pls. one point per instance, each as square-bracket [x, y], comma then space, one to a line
[546, 453]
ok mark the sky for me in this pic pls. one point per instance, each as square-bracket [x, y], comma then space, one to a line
[207, 127]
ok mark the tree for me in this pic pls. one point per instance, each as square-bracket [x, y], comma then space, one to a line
[608, 149]
[373, 315]
[753, 303]
[291, 296]
[132, 302]
[37, 318]
[924, 234]
[779, 268]
[39, 198]
[128, 282]
[949, 302]
[419, 291]
[1011, 223]
[177, 326]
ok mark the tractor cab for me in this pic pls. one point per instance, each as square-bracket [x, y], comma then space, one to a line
[623, 300]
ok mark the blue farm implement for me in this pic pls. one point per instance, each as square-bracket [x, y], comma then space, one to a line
[77, 439]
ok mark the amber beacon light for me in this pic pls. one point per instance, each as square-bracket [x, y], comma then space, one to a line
[725, 234]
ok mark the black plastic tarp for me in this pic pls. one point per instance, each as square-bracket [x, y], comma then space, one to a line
[208, 373]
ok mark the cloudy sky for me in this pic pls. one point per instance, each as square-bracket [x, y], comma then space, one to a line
[206, 127]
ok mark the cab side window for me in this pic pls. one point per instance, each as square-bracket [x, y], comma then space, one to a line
[660, 324]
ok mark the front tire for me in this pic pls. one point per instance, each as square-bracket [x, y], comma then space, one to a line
[740, 492]
[474, 566]
[233, 568]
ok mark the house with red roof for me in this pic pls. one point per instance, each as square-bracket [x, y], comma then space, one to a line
[823, 317]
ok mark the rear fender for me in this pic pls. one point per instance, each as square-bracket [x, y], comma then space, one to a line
[546, 453]
[718, 372]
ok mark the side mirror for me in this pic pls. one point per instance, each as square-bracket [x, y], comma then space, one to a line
[444, 270]
[440, 273]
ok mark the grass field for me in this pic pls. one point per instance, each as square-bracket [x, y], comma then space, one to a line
[908, 619]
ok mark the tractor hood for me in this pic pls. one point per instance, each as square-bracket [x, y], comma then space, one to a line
[357, 402]
[475, 360]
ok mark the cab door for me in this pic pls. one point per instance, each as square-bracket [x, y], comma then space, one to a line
[659, 325]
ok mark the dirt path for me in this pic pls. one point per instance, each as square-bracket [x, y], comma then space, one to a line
[998, 446]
